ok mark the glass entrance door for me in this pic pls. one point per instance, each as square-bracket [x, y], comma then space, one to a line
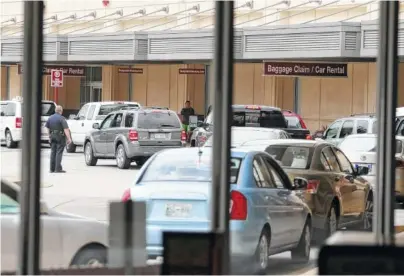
[96, 94]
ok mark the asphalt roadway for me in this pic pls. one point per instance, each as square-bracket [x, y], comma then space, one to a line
[87, 191]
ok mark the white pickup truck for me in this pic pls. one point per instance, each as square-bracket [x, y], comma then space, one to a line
[90, 113]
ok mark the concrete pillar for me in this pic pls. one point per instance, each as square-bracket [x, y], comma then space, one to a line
[3, 82]
[110, 83]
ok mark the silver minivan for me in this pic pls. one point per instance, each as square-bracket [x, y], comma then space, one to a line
[133, 135]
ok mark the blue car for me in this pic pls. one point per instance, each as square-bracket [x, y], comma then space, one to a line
[266, 217]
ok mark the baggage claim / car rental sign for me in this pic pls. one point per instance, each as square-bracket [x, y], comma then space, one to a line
[306, 69]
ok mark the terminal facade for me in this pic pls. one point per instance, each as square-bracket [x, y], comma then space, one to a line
[165, 61]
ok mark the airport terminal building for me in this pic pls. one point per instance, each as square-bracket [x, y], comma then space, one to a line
[322, 70]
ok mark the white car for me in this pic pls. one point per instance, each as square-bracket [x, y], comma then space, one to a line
[361, 151]
[65, 239]
[11, 121]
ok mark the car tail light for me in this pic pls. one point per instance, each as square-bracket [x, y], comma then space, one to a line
[302, 124]
[18, 122]
[126, 195]
[183, 136]
[312, 186]
[238, 206]
[133, 135]
[309, 137]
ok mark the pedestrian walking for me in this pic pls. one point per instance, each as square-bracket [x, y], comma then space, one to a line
[59, 136]
[186, 112]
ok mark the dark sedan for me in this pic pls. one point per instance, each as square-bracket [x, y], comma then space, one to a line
[335, 191]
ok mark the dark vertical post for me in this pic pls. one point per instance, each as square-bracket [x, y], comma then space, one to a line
[217, 116]
[31, 158]
[227, 115]
[386, 107]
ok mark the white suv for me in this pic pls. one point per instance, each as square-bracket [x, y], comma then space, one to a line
[11, 121]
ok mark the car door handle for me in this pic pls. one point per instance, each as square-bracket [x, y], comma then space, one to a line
[337, 178]
[82, 124]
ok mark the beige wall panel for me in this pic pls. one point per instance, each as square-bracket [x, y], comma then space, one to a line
[243, 83]
[3, 82]
[107, 83]
[139, 85]
[372, 87]
[158, 91]
[287, 93]
[196, 90]
[173, 102]
[121, 94]
[259, 84]
[72, 93]
[15, 82]
[310, 101]
[400, 98]
[360, 84]
[269, 91]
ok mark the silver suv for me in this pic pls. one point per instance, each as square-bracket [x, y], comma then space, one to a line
[133, 135]
[354, 124]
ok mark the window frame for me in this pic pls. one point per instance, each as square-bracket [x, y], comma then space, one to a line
[84, 110]
[340, 122]
[259, 183]
[103, 122]
[328, 161]
[357, 124]
[337, 150]
[90, 112]
[342, 126]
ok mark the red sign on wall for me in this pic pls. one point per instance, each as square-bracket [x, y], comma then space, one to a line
[57, 78]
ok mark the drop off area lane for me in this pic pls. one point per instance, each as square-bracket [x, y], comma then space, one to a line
[87, 191]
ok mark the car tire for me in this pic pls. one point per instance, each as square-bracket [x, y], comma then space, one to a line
[367, 219]
[301, 253]
[332, 222]
[122, 160]
[71, 148]
[193, 143]
[262, 252]
[140, 161]
[10, 143]
[89, 157]
[91, 256]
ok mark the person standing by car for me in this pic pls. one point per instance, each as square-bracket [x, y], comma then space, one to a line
[185, 113]
[58, 133]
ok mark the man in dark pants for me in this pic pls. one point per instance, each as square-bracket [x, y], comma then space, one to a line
[186, 112]
[58, 132]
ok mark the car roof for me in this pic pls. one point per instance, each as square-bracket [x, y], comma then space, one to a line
[114, 102]
[259, 129]
[235, 152]
[293, 142]
[400, 111]
[369, 135]
[286, 112]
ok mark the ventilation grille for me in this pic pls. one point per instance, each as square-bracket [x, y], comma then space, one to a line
[64, 48]
[292, 42]
[370, 39]
[17, 48]
[141, 48]
[351, 40]
[101, 47]
[196, 45]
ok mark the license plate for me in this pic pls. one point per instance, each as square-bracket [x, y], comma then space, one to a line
[370, 166]
[160, 136]
[178, 210]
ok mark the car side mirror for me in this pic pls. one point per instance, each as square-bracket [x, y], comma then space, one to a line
[362, 170]
[300, 183]
[96, 126]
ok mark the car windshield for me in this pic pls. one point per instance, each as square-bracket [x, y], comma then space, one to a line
[293, 122]
[363, 144]
[255, 118]
[172, 166]
[108, 108]
[158, 119]
[241, 136]
[290, 156]
[8, 205]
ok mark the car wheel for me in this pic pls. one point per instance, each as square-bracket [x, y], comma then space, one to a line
[71, 148]
[262, 252]
[10, 143]
[140, 162]
[367, 220]
[91, 256]
[89, 157]
[193, 143]
[301, 253]
[122, 161]
[332, 222]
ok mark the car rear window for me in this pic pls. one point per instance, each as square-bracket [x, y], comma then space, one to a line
[108, 108]
[174, 166]
[293, 122]
[48, 109]
[290, 156]
[255, 118]
[242, 136]
[158, 119]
